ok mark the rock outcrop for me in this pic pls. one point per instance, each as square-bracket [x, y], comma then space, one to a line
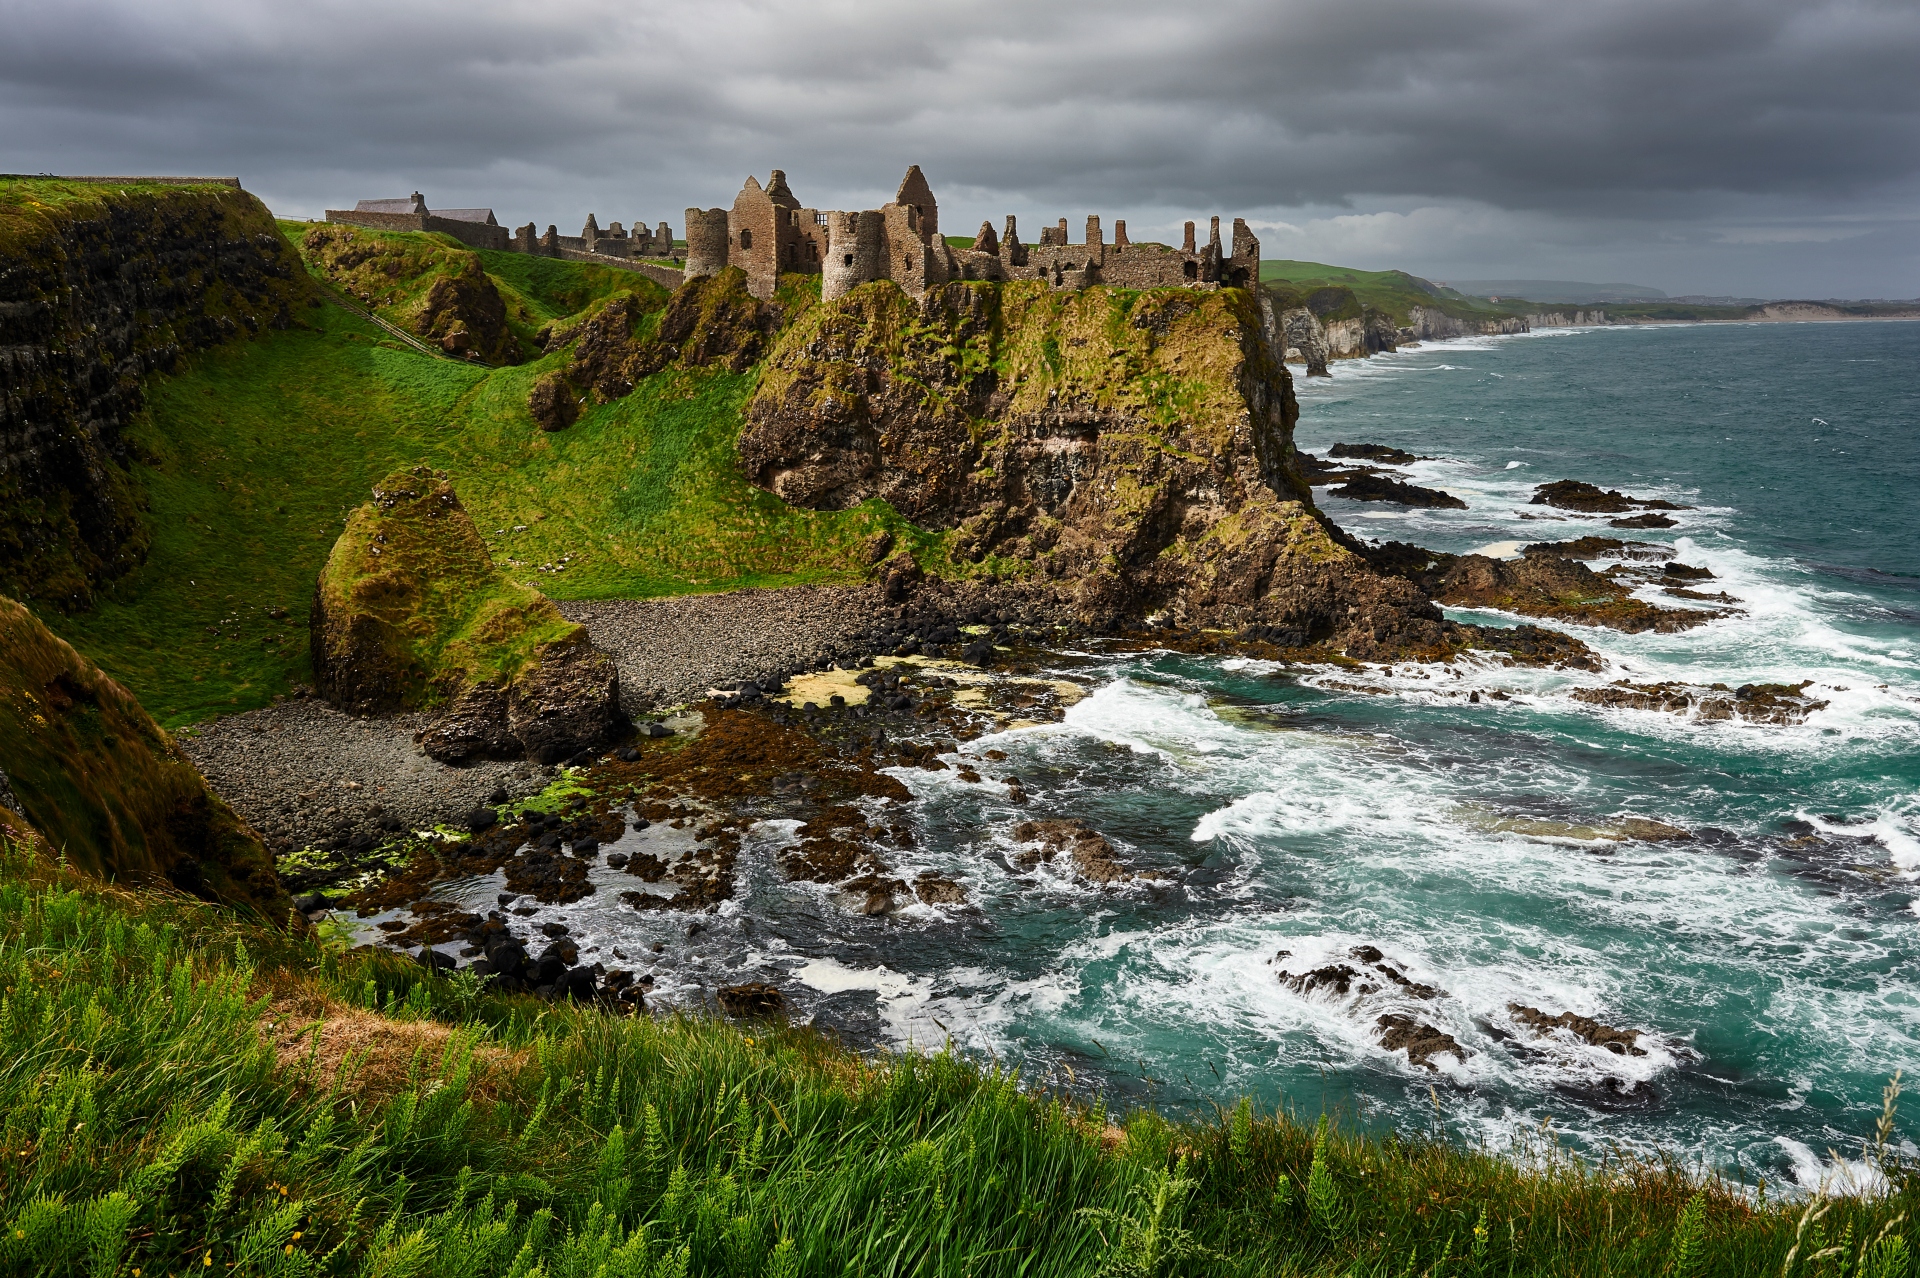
[434, 289]
[100, 286]
[107, 788]
[1133, 449]
[1556, 589]
[410, 612]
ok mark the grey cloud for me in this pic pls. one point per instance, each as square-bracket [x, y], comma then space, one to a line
[1627, 130]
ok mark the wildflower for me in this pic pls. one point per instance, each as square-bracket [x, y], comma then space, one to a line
[208, 1262]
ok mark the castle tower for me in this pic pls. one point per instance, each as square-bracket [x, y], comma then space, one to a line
[706, 242]
[916, 194]
[1243, 269]
[856, 252]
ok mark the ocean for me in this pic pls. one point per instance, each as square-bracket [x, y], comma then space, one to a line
[1770, 961]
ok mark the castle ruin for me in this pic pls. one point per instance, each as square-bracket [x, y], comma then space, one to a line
[767, 233]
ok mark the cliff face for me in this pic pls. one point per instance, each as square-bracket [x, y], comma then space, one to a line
[1425, 324]
[98, 287]
[106, 787]
[1133, 449]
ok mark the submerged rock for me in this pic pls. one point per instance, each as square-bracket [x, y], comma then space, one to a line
[751, 1000]
[1783, 704]
[1420, 1041]
[1092, 856]
[1560, 589]
[1618, 1041]
[1572, 494]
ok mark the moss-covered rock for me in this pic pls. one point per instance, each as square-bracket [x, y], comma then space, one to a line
[107, 788]
[411, 613]
[431, 286]
[1136, 448]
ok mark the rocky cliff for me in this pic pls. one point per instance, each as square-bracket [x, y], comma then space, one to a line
[100, 285]
[1135, 450]
[106, 788]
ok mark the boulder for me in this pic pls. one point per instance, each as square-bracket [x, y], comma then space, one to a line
[1380, 488]
[1420, 1041]
[411, 613]
[1092, 856]
[752, 1000]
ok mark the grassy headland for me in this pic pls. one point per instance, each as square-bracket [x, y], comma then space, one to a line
[183, 1092]
[1392, 293]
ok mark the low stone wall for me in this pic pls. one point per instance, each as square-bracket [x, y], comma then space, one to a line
[665, 276]
[479, 235]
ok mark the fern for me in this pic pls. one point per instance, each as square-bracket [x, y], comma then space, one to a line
[1324, 1206]
[1689, 1239]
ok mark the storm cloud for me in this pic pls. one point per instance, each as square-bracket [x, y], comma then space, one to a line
[1762, 148]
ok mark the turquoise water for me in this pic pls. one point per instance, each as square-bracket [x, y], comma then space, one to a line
[1771, 961]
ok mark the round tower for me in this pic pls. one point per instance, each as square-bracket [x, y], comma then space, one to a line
[706, 242]
[856, 252]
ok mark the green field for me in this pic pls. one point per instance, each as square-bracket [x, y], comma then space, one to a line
[253, 453]
[1391, 292]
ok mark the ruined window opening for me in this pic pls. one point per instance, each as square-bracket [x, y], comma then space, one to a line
[849, 259]
[1190, 270]
[746, 239]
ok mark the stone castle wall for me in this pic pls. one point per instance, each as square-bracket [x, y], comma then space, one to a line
[768, 233]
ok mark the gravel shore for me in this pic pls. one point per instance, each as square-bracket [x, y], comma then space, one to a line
[306, 775]
[672, 651]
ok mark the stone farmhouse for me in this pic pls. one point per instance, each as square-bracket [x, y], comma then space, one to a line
[768, 233]
[474, 227]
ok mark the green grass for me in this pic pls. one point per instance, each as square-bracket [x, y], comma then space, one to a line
[252, 455]
[1391, 292]
[148, 1126]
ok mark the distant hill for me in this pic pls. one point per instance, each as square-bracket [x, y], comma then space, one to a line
[1564, 292]
[1393, 293]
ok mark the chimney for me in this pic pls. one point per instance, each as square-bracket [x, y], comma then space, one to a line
[1188, 246]
[1120, 232]
[1093, 229]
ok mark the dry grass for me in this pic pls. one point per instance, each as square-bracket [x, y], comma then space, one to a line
[336, 1047]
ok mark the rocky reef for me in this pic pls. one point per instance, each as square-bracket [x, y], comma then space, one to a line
[411, 612]
[105, 787]
[1134, 451]
[100, 286]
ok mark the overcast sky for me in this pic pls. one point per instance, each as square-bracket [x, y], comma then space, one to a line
[1750, 147]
